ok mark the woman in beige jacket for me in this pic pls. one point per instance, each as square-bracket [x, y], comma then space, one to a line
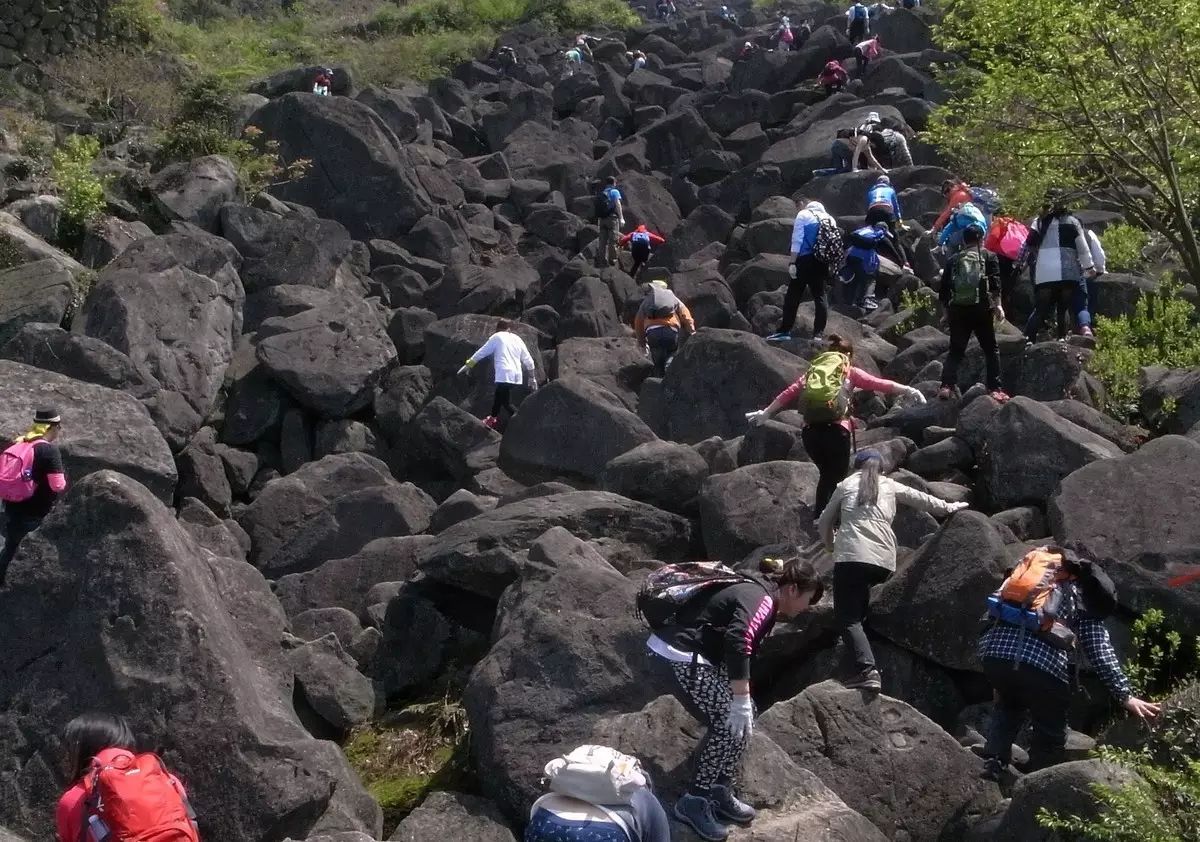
[864, 549]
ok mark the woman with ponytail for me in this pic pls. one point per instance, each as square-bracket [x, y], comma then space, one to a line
[856, 526]
[31, 481]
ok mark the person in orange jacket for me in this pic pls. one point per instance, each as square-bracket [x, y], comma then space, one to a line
[956, 192]
[640, 241]
[658, 323]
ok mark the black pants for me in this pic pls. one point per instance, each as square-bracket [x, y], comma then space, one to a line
[662, 342]
[503, 399]
[1057, 296]
[965, 321]
[641, 254]
[1027, 690]
[16, 526]
[828, 446]
[810, 274]
[858, 31]
[861, 59]
[852, 583]
[1008, 285]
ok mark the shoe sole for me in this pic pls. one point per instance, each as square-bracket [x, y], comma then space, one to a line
[742, 822]
[684, 818]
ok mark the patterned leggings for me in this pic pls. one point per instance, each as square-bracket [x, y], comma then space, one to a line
[707, 696]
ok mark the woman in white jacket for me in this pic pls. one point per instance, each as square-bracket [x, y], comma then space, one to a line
[511, 361]
[864, 549]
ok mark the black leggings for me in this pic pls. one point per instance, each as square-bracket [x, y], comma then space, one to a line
[810, 273]
[852, 582]
[828, 445]
[503, 399]
[1056, 295]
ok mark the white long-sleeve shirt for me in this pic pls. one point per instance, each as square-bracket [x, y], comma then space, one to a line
[510, 356]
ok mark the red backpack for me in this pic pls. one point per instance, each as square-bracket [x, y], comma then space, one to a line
[16, 472]
[138, 800]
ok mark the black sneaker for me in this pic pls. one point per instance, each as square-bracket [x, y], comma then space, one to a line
[866, 680]
[696, 812]
[729, 807]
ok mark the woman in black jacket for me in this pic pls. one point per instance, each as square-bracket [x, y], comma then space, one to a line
[708, 647]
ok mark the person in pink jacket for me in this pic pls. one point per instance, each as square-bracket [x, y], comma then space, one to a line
[864, 51]
[828, 443]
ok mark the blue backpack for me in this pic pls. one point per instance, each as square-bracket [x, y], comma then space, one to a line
[861, 12]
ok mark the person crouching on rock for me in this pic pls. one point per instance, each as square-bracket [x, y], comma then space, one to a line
[833, 78]
[510, 358]
[31, 481]
[659, 320]
[708, 644]
[864, 550]
[824, 394]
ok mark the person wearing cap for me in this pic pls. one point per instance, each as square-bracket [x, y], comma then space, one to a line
[856, 526]
[864, 51]
[747, 51]
[833, 78]
[658, 323]
[890, 143]
[511, 360]
[807, 272]
[883, 205]
[640, 242]
[49, 478]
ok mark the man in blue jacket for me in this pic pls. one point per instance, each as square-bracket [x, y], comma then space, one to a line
[806, 272]
[883, 204]
[862, 263]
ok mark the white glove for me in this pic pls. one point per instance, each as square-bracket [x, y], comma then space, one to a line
[533, 384]
[958, 507]
[792, 271]
[911, 395]
[741, 718]
[463, 370]
[756, 416]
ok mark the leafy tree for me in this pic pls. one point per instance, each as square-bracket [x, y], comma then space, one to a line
[1102, 96]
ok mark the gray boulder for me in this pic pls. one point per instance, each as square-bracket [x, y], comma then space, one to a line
[452, 815]
[1066, 789]
[42, 291]
[661, 473]
[50, 348]
[757, 505]
[331, 684]
[194, 191]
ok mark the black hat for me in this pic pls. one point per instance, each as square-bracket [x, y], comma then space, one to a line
[47, 415]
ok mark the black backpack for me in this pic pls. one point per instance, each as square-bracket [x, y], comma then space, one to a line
[603, 205]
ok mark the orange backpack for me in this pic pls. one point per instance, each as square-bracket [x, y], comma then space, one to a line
[1034, 584]
[137, 800]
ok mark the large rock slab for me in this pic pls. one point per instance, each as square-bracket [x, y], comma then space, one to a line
[1066, 789]
[102, 428]
[50, 348]
[194, 191]
[111, 601]
[482, 555]
[762, 504]
[452, 815]
[41, 291]
[661, 473]
[853, 743]
[570, 427]
[717, 377]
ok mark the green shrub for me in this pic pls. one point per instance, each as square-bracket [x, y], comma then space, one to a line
[1162, 658]
[81, 190]
[1161, 330]
[133, 22]
[1123, 246]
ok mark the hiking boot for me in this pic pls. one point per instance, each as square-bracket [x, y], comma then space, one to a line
[491, 422]
[779, 337]
[868, 679]
[945, 393]
[729, 807]
[993, 769]
[1000, 396]
[696, 812]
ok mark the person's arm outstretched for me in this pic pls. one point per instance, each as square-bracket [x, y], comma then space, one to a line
[486, 350]
[528, 364]
[924, 502]
[1095, 643]
[781, 400]
[860, 379]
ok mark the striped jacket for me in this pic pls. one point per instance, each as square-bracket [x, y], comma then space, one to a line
[1060, 253]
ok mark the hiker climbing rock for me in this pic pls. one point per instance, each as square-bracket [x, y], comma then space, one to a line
[867, 245]
[708, 622]
[833, 78]
[864, 51]
[510, 361]
[609, 211]
[636, 59]
[1006, 239]
[887, 143]
[825, 395]
[970, 292]
[640, 242]
[816, 249]
[1060, 260]
[883, 205]
[856, 526]
[748, 51]
[660, 320]
[1053, 603]
[115, 792]
[31, 481]
[572, 61]
[965, 216]
[597, 794]
[858, 23]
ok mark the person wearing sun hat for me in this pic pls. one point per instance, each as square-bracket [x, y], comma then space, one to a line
[43, 469]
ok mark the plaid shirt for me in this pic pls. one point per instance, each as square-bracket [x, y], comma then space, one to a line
[1011, 643]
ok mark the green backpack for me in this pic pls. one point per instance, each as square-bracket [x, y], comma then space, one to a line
[965, 276]
[826, 390]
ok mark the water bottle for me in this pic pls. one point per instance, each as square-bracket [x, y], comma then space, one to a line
[97, 829]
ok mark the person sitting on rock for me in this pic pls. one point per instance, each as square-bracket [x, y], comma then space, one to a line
[709, 646]
[39, 461]
[971, 295]
[1033, 677]
[94, 741]
[864, 51]
[956, 192]
[833, 78]
[858, 22]
[806, 271]
[660, 319]
[510, 359]
[640, 242]
[636, 59]
[747, 51]
[828, 425]
[866, 246]
[861, 510]
[323, 83]
[559, 818]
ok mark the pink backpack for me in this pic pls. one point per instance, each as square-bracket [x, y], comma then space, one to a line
[16, 472]
[786, 36]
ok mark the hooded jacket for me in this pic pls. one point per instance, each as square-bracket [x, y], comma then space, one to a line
[804, 229]
[884, 195]
[833, 74]
[642, 234]
[965, 216]
[661, 300]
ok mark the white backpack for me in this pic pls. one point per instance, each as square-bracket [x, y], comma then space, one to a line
[596, 775]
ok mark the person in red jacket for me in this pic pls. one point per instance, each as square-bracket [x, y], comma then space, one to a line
[640, 242]
[956, 192]
[833, 78]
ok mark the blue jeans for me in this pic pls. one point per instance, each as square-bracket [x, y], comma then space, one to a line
[1083, 301]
